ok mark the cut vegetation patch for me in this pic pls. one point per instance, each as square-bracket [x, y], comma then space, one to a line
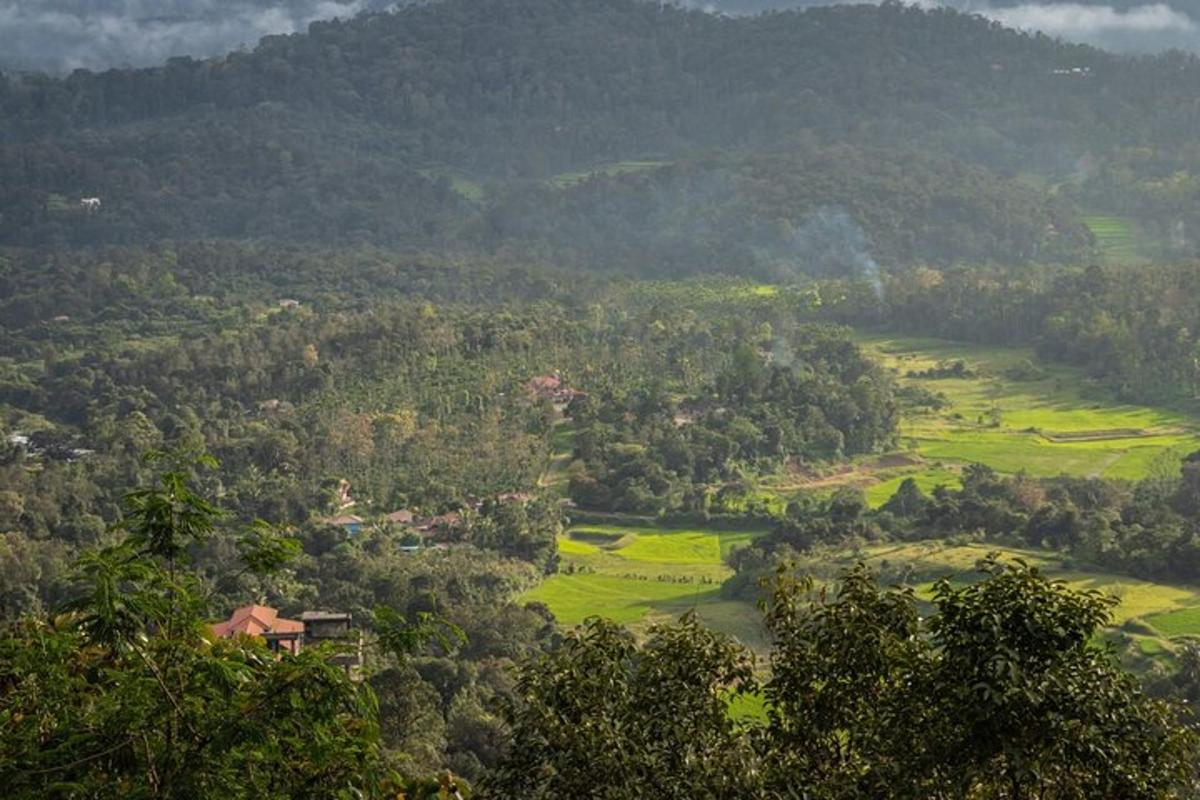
[566, 180]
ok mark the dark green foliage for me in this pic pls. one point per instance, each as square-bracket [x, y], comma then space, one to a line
[1132, 328]
[808, 397]
[1000, 693]
[602, 716]
[127, 695]
[912, 124]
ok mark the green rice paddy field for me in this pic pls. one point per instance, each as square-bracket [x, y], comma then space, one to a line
[1055, 423]
[1118, 239]
[643, 575]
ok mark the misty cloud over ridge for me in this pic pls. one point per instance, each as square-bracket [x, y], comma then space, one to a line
[1137, 29]
[61, 35]
[1151, 27]
[1078, 19]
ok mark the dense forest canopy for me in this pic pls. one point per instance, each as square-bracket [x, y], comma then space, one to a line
[477, 301]
[594, 132]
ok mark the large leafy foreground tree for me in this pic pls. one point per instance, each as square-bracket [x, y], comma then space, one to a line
[1002, 692]
[126, 693]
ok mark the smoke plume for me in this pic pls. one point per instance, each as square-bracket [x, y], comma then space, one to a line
[826, 242]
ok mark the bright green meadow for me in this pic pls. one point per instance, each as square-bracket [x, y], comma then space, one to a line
[1052, 422]
[645, 575]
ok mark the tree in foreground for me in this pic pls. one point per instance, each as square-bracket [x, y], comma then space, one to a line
[1002, 693]
[127, 694]
[602, 716]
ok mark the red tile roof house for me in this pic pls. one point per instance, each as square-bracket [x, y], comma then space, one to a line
[550, 387]
[260, 621]
[444, 527]
[291, 636]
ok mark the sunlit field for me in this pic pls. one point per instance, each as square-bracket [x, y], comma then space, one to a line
[1053, 424]
[645, 575]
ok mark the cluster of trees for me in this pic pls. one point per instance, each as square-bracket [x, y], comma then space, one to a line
[998, 692]
[1133, 328]
[125, 694]
[812, 396]
[1147, 529]
[378, 129]
[814, 210]
[121, 656]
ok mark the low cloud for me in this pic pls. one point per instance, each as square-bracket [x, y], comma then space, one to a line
[1075, 20]
[1148, 28]
[61, 35]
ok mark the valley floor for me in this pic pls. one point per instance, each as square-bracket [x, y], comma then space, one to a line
[1007, 411]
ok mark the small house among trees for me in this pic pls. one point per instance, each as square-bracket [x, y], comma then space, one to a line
[400, 517]
[551, 387]
[351, 523]
[283, 635]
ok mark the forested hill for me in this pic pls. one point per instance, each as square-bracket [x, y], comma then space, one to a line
[643, 76]
[434, 124]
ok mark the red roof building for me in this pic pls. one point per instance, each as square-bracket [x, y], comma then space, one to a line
[261, 621]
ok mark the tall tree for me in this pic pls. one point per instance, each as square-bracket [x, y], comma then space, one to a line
[127, 694]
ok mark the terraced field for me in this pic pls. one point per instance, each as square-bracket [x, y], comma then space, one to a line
[1118, 239]
[1007, 412]
[1147, 625]
[1055, 423]
[643, 575]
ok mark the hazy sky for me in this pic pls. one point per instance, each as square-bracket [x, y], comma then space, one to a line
[61, 35]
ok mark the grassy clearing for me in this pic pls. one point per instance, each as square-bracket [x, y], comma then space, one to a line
[645, 575]
[927, 479]
[1118, 239]
[1047, 426]
[1183, 622]
[574, 598]
[640, 576]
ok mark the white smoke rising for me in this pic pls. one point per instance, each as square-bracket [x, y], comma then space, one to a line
[826, 242]
[61, 35]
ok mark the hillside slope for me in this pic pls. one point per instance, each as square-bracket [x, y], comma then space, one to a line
[405, 128]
